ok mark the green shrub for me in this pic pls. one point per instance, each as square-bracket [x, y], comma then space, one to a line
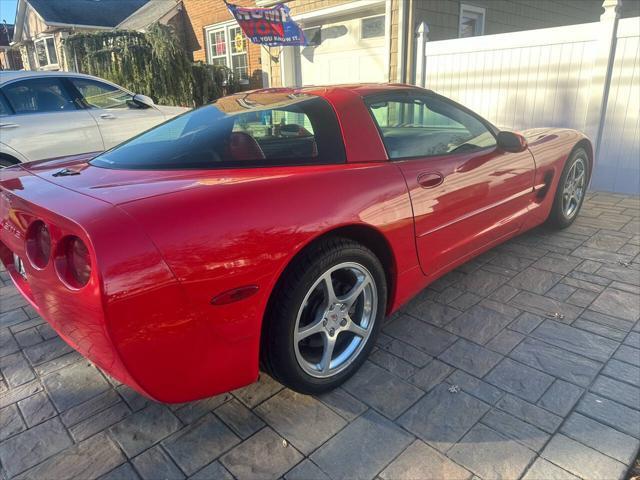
[152, 63]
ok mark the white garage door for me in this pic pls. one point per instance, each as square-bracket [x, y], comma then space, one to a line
[346, 51]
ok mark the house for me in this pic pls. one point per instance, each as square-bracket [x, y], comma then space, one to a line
[9, 56]
[366, 40]
[42, 24]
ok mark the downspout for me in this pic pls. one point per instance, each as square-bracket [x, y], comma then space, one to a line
[402, 35]
[410, 42]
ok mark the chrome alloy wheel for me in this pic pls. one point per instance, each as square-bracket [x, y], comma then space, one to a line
[574, 187]
[335, 319]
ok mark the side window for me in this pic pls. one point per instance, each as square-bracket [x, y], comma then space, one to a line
[4, 107]
[101, 95]
[38, 95]
[426, 126]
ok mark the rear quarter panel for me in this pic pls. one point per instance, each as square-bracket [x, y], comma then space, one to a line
[243, 227]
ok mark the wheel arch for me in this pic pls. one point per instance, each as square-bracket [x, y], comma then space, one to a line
[586, 144]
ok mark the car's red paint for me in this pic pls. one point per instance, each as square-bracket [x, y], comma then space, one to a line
[165, 243]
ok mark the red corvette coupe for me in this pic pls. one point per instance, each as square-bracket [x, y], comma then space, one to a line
[274, 227]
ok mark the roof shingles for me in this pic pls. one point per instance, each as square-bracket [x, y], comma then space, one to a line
[99, 13]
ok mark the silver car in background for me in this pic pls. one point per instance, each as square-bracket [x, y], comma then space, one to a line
[53, 114]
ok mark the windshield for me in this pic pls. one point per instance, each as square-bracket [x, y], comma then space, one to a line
[242, 130]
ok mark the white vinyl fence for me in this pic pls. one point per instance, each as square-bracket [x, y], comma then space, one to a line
[584, 76]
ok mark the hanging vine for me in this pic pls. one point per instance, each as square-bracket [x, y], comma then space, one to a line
[152, 63]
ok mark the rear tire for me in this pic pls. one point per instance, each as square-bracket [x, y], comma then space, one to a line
[571, 190]
[316, 336]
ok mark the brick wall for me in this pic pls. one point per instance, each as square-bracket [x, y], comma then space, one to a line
[203, 13]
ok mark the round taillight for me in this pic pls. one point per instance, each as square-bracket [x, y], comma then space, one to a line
[73, 262]
[38, 244]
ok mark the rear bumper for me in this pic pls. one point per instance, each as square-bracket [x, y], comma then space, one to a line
[132, 319]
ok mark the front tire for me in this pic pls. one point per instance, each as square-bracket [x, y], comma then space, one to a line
[324, 316]
[571, 190]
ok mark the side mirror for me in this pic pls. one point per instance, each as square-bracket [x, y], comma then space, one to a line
[142, 101]
[512, 142]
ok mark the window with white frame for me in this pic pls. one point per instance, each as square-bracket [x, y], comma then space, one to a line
[227, 46]
[372, 27]
[471, 21]
[46, 54]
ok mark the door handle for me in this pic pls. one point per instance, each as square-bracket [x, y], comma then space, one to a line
[9, 125]
[430, 180]
[108, 116]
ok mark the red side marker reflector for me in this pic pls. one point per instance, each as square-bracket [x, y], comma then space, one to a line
[234, 295]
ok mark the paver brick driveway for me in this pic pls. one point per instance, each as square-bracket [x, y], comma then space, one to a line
[522, 363]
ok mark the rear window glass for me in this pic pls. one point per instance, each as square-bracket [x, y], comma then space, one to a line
[243, 130]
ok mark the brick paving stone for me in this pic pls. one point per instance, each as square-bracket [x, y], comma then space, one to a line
[581, 460]
[479, 324]
[601, 437]
[427, 338]
[599, 329]
[499, 456]
[562, 265]
[257, 392]
[545, 470]
[622, 304]
[433, 313]
[26, 449]
[301, 419]
[73, 385]
[470, 357]
[526, 323]
[192, 411]
[575, 340]
[622, 371]
[16, 369]
[8, 344]
[85, 460]
[514, 428]
[431, 375]
[396, 365]
[45, 351]
[123, 472]
[610, 413]
[620, 392]
[607, 320]
[483, 283]
[95, 424]
[306, 470]
[154, 463]
[541, 305]
[441, 417]
[532, 414]
[36, 409]
[408, 353]
[200, 443]
[505, 341]
[213, 471]
[519, 379]
[239, 418]
[556, 361]
[10, 422]
[560, 397]
[371, 379]
[418, 459]
[371, 439]
[265, 455]
[473, 386]
[19, 393]
[534, 280]
[628, 354]
[142, 429]
[344, 404]
[12, 317]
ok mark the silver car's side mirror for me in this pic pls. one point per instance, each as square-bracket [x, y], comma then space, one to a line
[143, 101]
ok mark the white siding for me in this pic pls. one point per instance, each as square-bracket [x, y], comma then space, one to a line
[543, 77]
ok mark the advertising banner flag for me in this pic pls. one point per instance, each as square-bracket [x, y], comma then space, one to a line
[272, 27]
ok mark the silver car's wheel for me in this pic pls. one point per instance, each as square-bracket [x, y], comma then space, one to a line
[335, 319]
[574, 186]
